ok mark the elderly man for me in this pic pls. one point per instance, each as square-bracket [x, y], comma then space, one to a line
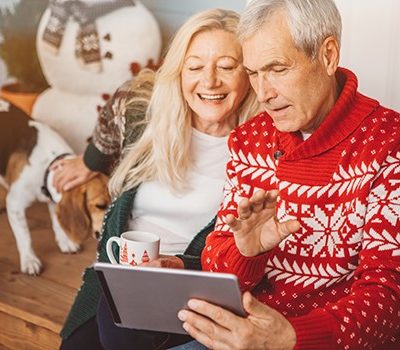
[310, 221]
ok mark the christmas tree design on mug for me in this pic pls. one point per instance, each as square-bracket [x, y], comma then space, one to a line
[145, 257]
[124, 254]
[133, 262]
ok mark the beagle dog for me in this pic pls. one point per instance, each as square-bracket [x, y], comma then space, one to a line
[27, 149]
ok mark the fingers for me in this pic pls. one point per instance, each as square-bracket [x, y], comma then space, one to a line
[288, 227]
[168, 261]
[206, 329]
[220, 316]
[59, 180]
[233, 222]
[244, 209]
[69, 173]
[56, 165]
[195, 333]
[70, 184]
[259, 201]
[252, 306]
[270, 199]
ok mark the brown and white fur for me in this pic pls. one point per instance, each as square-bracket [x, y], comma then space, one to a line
[80, 211]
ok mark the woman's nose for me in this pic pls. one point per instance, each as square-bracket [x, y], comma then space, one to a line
[210, 78]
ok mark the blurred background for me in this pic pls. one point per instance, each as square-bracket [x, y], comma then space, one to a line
[370, 46]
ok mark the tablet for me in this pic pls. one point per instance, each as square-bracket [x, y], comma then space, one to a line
[150, 298]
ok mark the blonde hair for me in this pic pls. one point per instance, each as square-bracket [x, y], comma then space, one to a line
[163, 151]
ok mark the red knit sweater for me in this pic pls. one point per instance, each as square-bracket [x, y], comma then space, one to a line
[338, 278]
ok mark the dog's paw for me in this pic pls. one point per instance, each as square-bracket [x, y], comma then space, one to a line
[31, 265]
[67, 246]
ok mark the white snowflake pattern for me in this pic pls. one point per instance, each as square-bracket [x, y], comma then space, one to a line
[391, 165]
[284, 214]
[326, 232]
[247, 165]
[387, 202]
[90, 42]
[382, 241]
[316, 275]
[54, 24]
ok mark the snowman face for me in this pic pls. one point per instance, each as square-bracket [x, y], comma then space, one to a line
[120, 37]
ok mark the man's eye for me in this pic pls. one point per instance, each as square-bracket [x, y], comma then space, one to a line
[279, 69]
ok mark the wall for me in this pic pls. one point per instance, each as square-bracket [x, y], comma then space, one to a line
[172, 13]
[370, 47]
[169, 13]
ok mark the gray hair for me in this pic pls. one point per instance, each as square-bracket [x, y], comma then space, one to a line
[310, 21]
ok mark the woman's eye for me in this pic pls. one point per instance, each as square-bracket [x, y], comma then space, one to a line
[227, 68]
[194, 68]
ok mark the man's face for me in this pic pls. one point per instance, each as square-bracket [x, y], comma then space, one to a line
[296, 91]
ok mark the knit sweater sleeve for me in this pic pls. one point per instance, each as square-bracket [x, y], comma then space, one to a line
[220, 253]
[369, 316]
[106, 141]
[192, 255]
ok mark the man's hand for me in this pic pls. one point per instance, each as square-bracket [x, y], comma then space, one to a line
[217, 328]
[69, 173]
[170, 261]
[256, 229]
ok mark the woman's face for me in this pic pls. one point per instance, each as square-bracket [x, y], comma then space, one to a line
[214, 82]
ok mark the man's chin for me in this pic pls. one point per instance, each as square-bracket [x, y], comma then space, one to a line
[284, 126]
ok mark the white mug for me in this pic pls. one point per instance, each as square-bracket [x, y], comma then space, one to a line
[135, 247]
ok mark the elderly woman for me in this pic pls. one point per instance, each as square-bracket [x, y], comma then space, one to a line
[175, 170]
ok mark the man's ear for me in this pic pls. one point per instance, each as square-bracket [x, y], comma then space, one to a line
[73, 215]
[330, 53]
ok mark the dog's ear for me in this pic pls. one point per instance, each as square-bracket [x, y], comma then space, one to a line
[73, 216]
[3, 195]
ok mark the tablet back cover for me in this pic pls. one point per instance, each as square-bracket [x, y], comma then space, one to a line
[150, 298]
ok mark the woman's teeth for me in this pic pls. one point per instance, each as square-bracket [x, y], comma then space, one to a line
[212, 97]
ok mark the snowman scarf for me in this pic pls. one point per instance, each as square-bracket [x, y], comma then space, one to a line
[87, 49]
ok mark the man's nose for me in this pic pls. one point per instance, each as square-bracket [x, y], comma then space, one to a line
[265, 89]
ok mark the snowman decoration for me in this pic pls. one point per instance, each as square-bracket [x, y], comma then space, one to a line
[87, 48]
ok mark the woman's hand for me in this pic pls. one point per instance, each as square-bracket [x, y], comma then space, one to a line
[169, 261]
[69, 173]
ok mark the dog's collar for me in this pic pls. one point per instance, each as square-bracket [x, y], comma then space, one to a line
[44, 188]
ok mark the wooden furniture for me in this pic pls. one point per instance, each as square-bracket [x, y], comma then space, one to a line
[33, 309]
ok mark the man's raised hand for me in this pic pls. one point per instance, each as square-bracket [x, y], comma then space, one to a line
[256, 229]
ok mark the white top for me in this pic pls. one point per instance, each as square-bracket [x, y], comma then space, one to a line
[305, 135]
[178, 217]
